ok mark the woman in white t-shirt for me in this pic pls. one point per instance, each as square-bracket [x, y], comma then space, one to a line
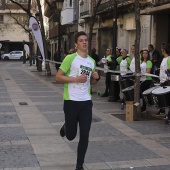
[146, 81]
[132, 65]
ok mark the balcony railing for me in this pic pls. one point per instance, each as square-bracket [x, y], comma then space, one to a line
[104, 6]
[110, 5]
[85, 9]
[85, 13]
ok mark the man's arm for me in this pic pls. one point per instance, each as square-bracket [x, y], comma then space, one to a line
[62, 78]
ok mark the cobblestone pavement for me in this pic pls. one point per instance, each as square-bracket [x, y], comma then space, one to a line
[31, 113]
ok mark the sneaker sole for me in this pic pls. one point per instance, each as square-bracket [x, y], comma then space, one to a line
[62, 134]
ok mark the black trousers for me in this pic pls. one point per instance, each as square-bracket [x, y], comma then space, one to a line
[144, 86]
[78, 112]
[107, 82]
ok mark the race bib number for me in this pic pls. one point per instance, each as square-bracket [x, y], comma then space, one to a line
[85, 70]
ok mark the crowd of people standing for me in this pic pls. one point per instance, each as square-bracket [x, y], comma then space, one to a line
[151, 62]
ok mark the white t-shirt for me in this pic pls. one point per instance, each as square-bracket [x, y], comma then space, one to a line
[74, 65]
[132, 65]
[143, 70]
[163, 67]
[123, 67]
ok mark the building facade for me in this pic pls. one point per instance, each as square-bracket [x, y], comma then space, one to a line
[12, 34]
[76, 15]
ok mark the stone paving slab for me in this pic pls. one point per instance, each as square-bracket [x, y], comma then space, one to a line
[36, 89]
[2, 90]
[5, 100]
[54, 118]
[17, 156]
[9, 119]
[40, 131]
[40, 93]
[30, 84]
[17, 95]
[53, 148]
[25, 168]
[46, 99]
[4, 95]
[149, 127]
[10, 125]
[45, 139]
[60, 167]
[55, 159]
[96, 166]
[14, 133]
[46, 108]
[103, 129]
[115, 150]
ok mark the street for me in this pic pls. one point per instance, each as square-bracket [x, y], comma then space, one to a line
[31, 114]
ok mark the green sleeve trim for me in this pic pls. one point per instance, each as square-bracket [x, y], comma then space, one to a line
[119, 59]
[65, 67]
[66, 64]
[148, 64]
[128, 59]
[109, 58]
[168, 62]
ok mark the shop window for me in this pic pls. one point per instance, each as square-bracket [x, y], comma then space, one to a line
[71, 3]
[1, 18]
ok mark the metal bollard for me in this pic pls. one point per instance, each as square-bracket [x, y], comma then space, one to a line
[39, 64]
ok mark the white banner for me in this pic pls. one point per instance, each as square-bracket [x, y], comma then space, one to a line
[27, 49]
[33, 23]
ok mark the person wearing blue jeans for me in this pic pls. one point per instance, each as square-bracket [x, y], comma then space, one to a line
[77, 72]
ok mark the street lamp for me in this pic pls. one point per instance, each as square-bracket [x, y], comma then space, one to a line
[59, 5]
[114, 85]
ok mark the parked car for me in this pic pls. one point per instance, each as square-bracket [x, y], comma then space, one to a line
[13, 55]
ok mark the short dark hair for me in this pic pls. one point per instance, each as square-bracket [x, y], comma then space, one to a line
[167, 49]
[151, 46]
[78, 34]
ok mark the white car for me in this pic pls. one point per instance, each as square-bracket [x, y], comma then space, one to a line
[13, 55]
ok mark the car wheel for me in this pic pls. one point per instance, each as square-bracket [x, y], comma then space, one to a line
[6, 58]
[21, 58]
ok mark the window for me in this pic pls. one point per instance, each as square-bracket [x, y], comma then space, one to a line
[1, 18]
[18, 52]
[70, 3]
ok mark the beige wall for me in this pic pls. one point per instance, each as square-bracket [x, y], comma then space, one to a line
[126, 37]
[11, 31]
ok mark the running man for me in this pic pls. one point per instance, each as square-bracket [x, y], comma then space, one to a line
[77, 72]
